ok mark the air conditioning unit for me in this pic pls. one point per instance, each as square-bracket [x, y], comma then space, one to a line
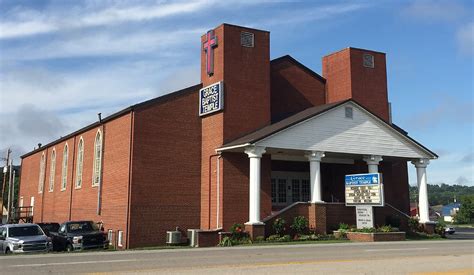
[193, 237]
[173, 237]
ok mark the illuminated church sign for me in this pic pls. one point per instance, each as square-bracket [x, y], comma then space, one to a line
[211, 98]
[208, 47]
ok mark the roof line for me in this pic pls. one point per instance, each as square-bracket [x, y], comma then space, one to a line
[299, 64]
[115, 115]
[336, 104]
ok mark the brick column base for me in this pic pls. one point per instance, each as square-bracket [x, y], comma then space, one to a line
[317, 217]
[255, 230]
[429, 227]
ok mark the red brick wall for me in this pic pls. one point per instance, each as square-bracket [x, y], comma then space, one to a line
[246, 75]
[293, 89]
[235, 200]
[81, 204]
[165, 190]
[348, 78]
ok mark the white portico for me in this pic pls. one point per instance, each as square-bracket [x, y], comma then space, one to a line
[343, 132]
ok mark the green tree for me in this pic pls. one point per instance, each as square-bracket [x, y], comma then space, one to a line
[466, 211]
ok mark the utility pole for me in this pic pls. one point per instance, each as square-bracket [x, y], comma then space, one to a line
[9, 201]
[4, 183]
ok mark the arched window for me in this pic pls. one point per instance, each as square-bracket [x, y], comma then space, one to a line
[97, 159]
[52, 170]
[64, 172]
[80, 160]
[41, 174]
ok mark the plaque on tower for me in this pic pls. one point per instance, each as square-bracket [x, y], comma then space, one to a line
[211, 99]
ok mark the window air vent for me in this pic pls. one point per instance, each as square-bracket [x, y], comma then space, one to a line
[368, 60]
[247, 39]
[348, 112]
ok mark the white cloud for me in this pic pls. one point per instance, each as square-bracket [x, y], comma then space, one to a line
[435, 10]
[317, 13]
[20, 22]
[465, 38]
[103, 43]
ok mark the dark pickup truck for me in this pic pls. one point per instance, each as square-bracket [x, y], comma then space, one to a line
[79, 235]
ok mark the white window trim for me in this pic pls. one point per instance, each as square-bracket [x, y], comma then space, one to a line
[41, 173]
[80, 164]
[96, 171]
[64, 167]
[52, 170]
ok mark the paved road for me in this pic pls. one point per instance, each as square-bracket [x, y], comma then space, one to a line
[462, 233]
[411, 257]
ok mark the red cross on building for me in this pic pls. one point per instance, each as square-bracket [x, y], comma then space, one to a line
[209, 45]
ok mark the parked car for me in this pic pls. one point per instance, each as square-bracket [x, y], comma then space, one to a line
[450, 230]
[79, 235]
[50, 227]
[23, 238]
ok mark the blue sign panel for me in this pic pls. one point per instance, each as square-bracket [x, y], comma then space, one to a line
[363, 179]
[364, 189]
[211, 99]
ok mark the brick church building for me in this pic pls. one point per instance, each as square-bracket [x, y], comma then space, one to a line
[255, 140]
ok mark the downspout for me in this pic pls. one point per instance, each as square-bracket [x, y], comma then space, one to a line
[44, 183]
[130, 163]
[99, 188]
[210, 180]
[218, 183]
[72, 177]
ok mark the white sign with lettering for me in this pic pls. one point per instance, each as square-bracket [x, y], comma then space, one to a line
[211, 99]
[364, 216]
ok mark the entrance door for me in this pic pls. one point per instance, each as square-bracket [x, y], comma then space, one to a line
[289, 187]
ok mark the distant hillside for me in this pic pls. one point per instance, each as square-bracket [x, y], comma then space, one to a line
[442, 194]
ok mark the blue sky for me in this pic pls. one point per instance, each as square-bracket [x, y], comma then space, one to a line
[62, 62]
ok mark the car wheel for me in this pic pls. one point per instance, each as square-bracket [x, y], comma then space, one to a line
[69, 248]
[7, 251]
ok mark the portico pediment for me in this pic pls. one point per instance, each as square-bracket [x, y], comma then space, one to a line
[342, 128]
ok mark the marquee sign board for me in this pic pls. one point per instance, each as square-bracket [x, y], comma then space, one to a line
[211, 98]
[364, 189]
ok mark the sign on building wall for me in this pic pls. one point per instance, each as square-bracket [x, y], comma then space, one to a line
[211, 98]
[364, 189]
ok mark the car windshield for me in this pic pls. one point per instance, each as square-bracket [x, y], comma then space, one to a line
[50, 227]
[82, 227]
[23, 231]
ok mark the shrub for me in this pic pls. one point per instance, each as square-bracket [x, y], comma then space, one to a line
[414, 225]
[343, 226]
[300, 224]
[385, 228]
[279, 226]
[285, 238]
[273, 238]
[304, 237]
[226, 241]
[440, 228]
[237, 231]
[260, 239]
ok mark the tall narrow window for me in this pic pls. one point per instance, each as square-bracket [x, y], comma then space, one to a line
[80, 160]
[97, 159]
[64, 172]
[41, 174]
[52, 171]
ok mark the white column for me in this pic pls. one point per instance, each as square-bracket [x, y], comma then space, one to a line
[255, 154]
[373, 163]
[315, 173]
[423, 204]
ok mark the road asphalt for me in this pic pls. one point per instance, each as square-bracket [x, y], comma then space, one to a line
[408, 257]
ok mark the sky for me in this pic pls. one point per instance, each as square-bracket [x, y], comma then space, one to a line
[62, 62]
